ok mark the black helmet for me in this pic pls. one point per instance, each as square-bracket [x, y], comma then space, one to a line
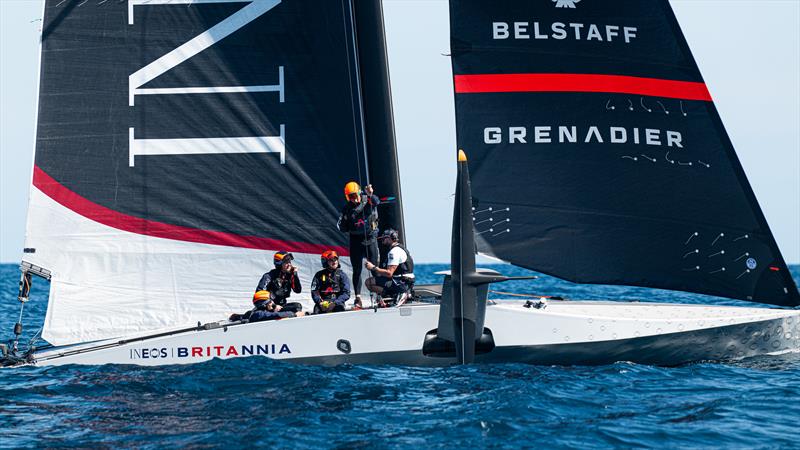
[282, 257]
[390, 233]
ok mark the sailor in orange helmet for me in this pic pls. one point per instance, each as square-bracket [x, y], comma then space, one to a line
[281, 282]
[264, 309]
[330, 287]
[359, 219]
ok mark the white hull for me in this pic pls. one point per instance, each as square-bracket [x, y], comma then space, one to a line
[565, 333]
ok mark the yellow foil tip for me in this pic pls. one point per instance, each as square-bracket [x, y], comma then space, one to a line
[462, 157]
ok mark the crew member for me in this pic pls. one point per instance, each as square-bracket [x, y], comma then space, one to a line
[395, 276]
[330, 288]
[359, 219]
[264, 308]
[281, 281]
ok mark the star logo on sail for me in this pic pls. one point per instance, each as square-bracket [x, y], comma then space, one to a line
[566, 3]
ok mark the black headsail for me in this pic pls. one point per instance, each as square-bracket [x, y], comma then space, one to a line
[597, 154]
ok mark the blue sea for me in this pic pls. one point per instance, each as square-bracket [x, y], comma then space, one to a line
[251, 402]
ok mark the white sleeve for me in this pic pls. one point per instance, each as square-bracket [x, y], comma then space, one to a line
[396, 257]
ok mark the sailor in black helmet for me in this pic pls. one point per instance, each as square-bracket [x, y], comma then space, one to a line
[281, 282]
[395, 276]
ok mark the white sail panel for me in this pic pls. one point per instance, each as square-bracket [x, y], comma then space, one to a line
[108, 283]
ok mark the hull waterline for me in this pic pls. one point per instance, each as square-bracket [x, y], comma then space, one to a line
[562, 333]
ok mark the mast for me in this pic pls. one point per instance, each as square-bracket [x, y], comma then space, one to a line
[383, 169]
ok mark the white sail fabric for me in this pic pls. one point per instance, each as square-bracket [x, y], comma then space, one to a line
[109, 283]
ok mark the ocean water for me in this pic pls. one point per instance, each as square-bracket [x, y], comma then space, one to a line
[248, 402]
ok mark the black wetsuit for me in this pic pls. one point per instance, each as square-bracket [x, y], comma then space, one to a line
[360, 221]
[281, 286]
[332, 286]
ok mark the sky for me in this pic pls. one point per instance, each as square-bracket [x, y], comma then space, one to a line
[748, 52]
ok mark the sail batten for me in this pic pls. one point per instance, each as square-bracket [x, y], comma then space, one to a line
[597, 154]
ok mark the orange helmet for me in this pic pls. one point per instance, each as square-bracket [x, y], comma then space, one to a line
[282, 257]
[351, 188]
[260, 296]
[327, 256]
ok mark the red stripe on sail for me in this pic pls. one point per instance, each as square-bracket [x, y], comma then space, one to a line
[120, 221]
[569, 82]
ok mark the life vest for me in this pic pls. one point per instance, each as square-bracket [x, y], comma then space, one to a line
[280, 286]
[356, 221]
[404, 268]
[329, 284]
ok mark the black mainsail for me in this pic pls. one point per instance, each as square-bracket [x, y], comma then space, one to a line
[376, 90]
[180, 143]
[596, 152]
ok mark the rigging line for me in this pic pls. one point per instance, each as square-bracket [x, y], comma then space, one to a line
[359, 92]
[35, 337]
[361, 116]
[350, 77]
[21, 309]
[357, 105]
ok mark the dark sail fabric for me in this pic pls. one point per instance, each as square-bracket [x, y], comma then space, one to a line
[373, 62]
[234, 123]
[597, 154]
